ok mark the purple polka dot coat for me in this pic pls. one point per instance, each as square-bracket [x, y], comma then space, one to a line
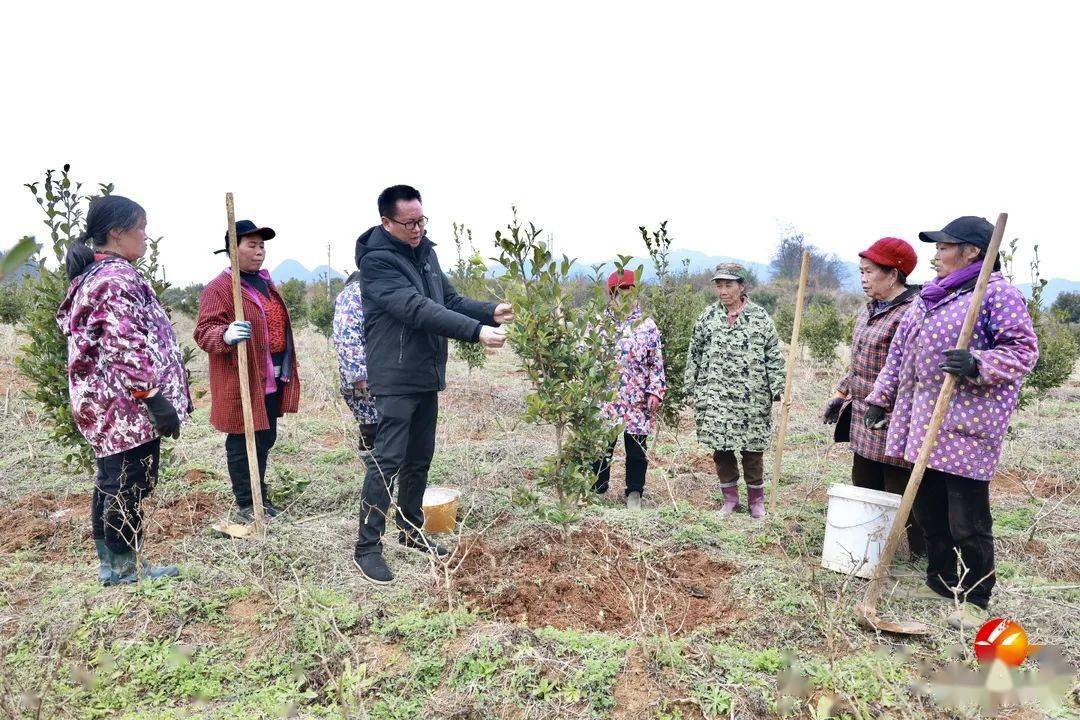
[1005, 347]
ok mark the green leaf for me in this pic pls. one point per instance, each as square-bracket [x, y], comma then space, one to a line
[17, 255]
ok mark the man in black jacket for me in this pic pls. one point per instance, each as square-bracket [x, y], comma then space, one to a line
[410, 309]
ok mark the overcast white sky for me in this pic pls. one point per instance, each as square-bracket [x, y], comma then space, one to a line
[851, 120]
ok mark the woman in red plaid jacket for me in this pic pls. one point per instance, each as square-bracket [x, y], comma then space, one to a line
[884, 268]
[272, 370]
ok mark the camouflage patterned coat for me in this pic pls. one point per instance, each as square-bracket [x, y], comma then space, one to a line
[732, 375]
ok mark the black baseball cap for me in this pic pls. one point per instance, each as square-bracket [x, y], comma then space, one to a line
[246, 227]
[968, 229]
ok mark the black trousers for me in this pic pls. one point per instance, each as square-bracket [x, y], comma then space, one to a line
[404, 445]
[954, 513]
[236, 452]
[121, 482]
[882, 476]
[636, 464]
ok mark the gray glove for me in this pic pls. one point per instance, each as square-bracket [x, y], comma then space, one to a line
[237, 332]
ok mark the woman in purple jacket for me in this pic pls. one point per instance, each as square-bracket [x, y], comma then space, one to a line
[953, 502]
[125, 376]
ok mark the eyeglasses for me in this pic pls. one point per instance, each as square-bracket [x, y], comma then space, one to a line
[412, 224]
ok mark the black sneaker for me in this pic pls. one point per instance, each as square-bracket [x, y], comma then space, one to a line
[244, 515]
[425, 545]
[374, 569]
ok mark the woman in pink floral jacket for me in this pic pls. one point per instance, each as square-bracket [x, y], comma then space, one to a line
[126, 378]
[641, 390]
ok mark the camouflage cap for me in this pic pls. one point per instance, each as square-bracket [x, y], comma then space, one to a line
[729, 271]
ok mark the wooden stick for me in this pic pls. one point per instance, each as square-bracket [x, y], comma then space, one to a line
[868, 607]
[242, 368]
[793, 353]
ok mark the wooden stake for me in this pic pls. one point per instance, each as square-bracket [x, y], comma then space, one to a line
[867, 609]
[242, 368]
[793, 354]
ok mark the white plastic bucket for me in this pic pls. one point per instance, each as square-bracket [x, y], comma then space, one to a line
[856, 527]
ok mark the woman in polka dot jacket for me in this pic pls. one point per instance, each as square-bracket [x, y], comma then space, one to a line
[953, 503]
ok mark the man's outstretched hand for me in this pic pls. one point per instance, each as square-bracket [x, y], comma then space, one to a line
[492, 337]
[504, 313]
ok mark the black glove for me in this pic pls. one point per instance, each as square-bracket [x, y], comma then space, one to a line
[776, 397]
[960, 363]
[874, 419]
[832, 410]
[163, 415]
[367, 436]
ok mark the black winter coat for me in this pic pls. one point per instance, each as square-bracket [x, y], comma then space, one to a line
[410, 309]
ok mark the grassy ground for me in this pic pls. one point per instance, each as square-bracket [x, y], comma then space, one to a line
[670, 613]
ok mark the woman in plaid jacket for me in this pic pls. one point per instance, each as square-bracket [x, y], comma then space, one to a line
[273, 380]
[884, 268]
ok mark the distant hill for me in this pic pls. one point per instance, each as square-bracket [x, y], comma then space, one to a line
[697, 262]
[290, 269]
[1053, 288]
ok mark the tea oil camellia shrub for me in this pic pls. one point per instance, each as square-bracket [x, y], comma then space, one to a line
[1067, 307]
[822, 330]
[321, 312]
[1058, 346]
[43, 360]
[674, 306]
[469, 280]
[185, 299]
[12, 302]
[567, 354]
[294, 294]
[784, 318]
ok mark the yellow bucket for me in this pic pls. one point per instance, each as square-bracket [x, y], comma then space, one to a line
[440, 509]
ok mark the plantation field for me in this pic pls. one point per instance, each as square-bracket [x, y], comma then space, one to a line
[672, 612]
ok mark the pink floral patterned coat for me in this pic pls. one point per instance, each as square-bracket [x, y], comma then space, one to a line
[641, 372]
[120, 341]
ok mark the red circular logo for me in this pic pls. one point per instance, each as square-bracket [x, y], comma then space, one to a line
[1001, 639]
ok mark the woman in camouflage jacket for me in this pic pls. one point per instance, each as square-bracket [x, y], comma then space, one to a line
[734, 373]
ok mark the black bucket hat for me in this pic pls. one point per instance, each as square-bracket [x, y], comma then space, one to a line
[246, 227]
[969, 229]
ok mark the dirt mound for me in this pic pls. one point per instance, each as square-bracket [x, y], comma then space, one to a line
[42, 519]
[597, 581]
[181, 516]
[47, 521]
[1018, 481]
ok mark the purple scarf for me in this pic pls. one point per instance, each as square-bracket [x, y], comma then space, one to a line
[934, 292]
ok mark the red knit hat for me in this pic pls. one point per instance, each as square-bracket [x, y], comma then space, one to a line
[892, 252]
[622, 280]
